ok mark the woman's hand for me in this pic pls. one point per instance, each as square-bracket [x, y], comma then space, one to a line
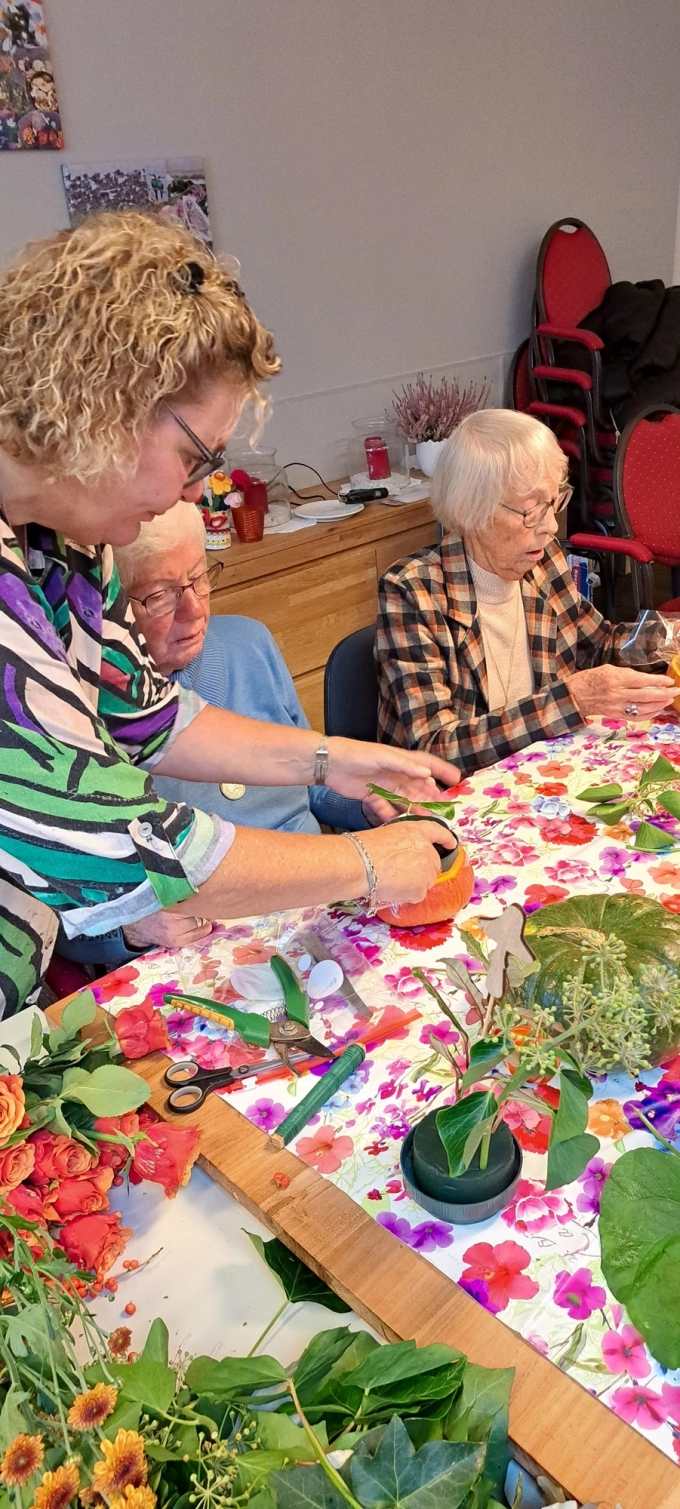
[416, 776]
[609, 691]
[165, 930]
[405, 860]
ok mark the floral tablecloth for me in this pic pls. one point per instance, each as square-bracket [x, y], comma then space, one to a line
[536, 1265]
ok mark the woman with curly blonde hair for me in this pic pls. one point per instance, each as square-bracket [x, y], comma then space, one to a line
[127, 352]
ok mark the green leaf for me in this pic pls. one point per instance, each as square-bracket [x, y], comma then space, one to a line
[567, 1160]
[659, 773]
[599, 793]
[481, 1414]
[324, 1351]
[485, 1054]
[653, 1305]
[611, 812]
[306, 1488]
[279, 1433]
[401, 1359]
[28, 1332]
[12, 1418]
[157, 1343]
[473, 945]
[149, 1383]
[572, 1113]
[296, 1279]
[640, 1208]
[234, 1377]
[110, 1091]
[454, 1124]
[652, 840]
[78, 1013]
[439, 1476]
[125, 1417]
[670, 801]
[56, 1037]
[36, 1037]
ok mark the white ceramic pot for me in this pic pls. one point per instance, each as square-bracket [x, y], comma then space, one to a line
[427, 455]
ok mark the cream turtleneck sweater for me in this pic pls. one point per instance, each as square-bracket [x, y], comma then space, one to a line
[500, 610]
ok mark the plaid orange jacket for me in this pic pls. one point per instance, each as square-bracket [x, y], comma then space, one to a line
[432, 668]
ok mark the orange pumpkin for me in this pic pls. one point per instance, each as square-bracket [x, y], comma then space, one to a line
[449, 894]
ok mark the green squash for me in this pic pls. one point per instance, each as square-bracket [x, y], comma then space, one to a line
[555, 933]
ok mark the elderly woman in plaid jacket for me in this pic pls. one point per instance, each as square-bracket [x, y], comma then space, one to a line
[484, 644]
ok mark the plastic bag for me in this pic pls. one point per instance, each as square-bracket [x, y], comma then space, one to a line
[652, 638]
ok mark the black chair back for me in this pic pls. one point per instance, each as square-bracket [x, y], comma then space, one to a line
[350, 692]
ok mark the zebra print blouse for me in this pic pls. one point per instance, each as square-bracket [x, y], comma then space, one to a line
[84, 715]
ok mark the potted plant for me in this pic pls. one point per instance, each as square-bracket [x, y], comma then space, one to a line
[427, 413]
[461, 1162]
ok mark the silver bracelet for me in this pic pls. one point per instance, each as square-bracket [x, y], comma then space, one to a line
[370, 874]
[321, 757]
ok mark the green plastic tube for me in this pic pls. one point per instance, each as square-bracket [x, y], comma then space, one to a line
[322, 1091]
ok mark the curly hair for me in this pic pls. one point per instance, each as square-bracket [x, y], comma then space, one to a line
[101, 323]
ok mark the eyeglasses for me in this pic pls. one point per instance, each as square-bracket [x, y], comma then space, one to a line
[213, 461]
[539, 511]
[157, 604]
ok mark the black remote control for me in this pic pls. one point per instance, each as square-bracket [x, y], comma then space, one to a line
[365, 494]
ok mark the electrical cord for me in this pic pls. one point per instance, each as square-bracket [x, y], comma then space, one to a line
[318, 497]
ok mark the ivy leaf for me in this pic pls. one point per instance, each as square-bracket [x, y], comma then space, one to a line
[78, 1013]
[611, 812]
[233, 1377]
[439, 1476]
[670, 801]
[481, 1414]
[640, 1208]
[125, 1417]
[570, 1148]
[325, 1350]
[659, 773]
[146, 1382]
[485, 1054]
[600, 793]
[652, 840]
[455, 1123]
[156, 1346]
[296, 1279]
[306, 1488]
[279, 1433]
[109, 1091]
[403, 1359]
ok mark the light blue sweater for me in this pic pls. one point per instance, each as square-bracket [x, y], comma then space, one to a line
[241, 668]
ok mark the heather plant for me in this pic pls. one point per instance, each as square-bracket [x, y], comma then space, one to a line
[431, 411]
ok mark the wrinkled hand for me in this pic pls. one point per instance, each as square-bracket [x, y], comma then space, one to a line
[166, 930]
[607, 690]
[377, 810]
[409, 772]
[405, 860]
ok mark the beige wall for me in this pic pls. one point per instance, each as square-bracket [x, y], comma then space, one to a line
[384, 169]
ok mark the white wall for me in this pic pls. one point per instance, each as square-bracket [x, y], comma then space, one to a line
[384, 169]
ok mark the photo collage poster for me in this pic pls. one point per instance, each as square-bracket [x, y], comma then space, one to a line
[29, 109]
[172, 188]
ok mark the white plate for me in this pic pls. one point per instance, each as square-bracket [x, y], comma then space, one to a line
[326, 513]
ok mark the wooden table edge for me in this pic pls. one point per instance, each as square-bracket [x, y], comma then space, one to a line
[554, 1421]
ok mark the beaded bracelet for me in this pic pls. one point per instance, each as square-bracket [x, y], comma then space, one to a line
[370, 873]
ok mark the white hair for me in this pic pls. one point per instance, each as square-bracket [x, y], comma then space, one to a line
[494, 456]
[178, 525]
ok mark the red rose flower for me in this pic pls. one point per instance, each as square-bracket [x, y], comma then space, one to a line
[79, 1197]
[141, 1029]
[166, 1156]
[58, 1157]
[16, 1163]
[26, 1202]
[113, 1154]
[95, 1241]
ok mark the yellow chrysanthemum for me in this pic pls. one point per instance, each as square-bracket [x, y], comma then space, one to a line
[92, 1408]
[124, 1464]
[57, 1488]
[23, 1457]
[134, 1498]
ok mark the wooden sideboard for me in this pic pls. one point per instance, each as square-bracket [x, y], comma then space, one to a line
[316, 585]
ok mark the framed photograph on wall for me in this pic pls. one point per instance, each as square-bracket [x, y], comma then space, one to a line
[29, 109]
[172, 188]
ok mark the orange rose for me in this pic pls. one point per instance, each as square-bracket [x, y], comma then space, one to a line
[79, 1197]
[606, 1119]
[12, 1105]
[113, 1154]
[141, 1029]
[95, 1241]
[166, 1156]
[26, 1202]
[59, 1157]
[16, 1163]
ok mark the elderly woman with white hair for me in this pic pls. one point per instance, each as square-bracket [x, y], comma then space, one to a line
[484, 644]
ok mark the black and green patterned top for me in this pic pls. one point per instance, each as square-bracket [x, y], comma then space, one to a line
[84, 715]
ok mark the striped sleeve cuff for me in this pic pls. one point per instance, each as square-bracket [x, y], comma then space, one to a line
[189, 705]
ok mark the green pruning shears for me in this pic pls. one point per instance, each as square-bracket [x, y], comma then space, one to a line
[291, 1031]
